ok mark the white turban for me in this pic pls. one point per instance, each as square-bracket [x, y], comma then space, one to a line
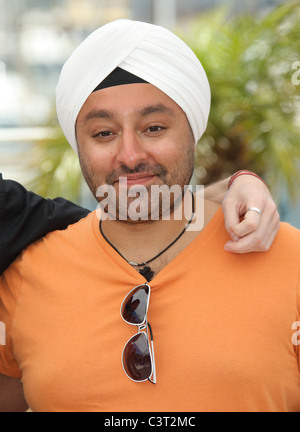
[148, 51]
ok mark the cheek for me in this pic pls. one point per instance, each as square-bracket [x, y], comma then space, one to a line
[95, 164]
[174, 152]
[165, 149]
[90, 151]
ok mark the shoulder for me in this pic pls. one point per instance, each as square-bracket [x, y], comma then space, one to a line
[283, 258]
[47, 256]
[56, 247]
[288, 239]
[75, 234]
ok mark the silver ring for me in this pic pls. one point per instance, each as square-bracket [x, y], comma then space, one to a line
[255, 209]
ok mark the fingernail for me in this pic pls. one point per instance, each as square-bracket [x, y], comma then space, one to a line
[233, 236]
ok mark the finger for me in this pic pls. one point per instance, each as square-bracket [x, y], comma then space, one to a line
[249, 224]
[258, 241]
[232, 219]
[255, 241]
[263, 228]
[242, 246]
[272, 234]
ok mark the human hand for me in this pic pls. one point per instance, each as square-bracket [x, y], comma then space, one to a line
[255, 232]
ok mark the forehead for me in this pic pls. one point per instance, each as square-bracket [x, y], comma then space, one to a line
[130, 99]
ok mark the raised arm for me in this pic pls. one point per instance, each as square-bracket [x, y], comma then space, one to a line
[255, 233]
[216, 192]
[25, 217]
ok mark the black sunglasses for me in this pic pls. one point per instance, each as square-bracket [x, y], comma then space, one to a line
[138, 354]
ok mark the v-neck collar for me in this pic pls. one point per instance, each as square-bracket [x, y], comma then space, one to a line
[217, 219]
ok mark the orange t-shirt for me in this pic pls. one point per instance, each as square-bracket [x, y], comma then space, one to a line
[224, 325]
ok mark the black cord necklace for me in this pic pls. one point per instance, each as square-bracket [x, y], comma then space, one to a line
[146, 270]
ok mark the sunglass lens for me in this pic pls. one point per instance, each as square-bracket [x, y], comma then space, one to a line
[134, 307]
[137, 358]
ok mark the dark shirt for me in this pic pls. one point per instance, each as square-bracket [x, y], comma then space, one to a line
[25, 217]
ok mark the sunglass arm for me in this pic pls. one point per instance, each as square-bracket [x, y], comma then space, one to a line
[153, 380]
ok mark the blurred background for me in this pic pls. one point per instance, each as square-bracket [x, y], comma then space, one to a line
[250, 51]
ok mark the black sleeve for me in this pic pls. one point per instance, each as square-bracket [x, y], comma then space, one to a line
[25, 217]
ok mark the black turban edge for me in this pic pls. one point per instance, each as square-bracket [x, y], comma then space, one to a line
[119, 77]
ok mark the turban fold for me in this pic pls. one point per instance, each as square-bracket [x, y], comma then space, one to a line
[150, 52]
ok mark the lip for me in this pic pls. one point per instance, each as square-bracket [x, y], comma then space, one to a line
[138, 179]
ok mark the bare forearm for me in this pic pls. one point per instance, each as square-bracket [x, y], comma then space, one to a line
[216, 192]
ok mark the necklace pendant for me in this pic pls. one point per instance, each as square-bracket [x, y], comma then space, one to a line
[147, 273]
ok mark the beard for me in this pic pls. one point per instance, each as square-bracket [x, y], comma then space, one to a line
[141, 200]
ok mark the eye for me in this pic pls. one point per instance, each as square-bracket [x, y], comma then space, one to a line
[103, 134]
[155, 129]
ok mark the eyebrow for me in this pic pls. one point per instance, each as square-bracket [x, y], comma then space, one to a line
[110, 115]
[160, 108]
[105, 114]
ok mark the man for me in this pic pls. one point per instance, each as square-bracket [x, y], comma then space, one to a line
[221, 324]
[26, 217]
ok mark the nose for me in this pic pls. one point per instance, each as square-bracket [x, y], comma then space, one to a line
[131, 151]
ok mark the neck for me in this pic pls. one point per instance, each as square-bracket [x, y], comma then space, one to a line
[140, 242]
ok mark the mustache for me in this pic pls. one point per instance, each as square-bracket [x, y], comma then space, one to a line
[157, 170]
